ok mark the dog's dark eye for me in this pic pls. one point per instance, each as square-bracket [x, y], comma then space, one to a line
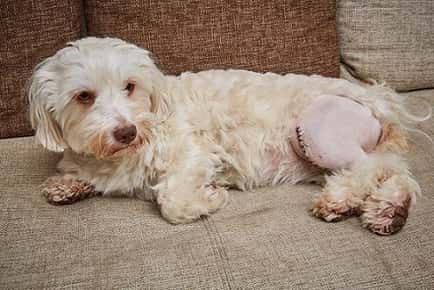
[86, 98]
[130, 88]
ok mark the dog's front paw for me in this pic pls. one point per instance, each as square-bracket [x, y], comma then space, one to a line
[181, 210]
[61, 191]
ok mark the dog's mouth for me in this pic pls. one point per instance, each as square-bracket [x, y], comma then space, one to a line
[115, 151]
[131, 148]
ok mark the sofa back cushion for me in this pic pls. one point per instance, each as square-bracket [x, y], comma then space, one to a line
[391, 41]
[31, 31]
[280, 36]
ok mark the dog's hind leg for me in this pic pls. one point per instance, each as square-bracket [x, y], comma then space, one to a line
[61, 190]
[341, 198]
[379, 188]
[341, 135]
[393, 191]
[335, 132]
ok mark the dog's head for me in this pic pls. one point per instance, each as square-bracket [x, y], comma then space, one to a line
[96, 96]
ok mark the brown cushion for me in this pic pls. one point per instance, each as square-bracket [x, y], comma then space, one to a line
[391, 41]
[31, 31]
[280, 36]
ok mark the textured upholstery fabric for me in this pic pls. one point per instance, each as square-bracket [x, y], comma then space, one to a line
[263, 239]
[391, 41]
[30, 31]
[279, 36]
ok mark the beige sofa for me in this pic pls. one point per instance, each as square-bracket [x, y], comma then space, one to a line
[264, 239]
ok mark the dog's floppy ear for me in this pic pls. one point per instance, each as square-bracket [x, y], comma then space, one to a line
[159, 105]
[159, 102]
[41, 89]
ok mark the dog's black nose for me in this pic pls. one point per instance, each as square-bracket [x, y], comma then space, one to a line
[125, 134]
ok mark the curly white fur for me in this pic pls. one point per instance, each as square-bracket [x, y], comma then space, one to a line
[198, 134]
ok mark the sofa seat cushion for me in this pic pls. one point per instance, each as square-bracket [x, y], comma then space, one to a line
[264, 239]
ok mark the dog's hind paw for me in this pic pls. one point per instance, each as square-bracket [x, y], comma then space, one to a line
[334, 211]
[386, 211]
[385, 217]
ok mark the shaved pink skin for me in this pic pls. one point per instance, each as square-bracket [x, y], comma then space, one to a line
[334, 132]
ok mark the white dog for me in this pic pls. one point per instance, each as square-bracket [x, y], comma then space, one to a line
[183, 141]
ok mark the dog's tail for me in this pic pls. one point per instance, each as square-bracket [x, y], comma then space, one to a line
[392, 108]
